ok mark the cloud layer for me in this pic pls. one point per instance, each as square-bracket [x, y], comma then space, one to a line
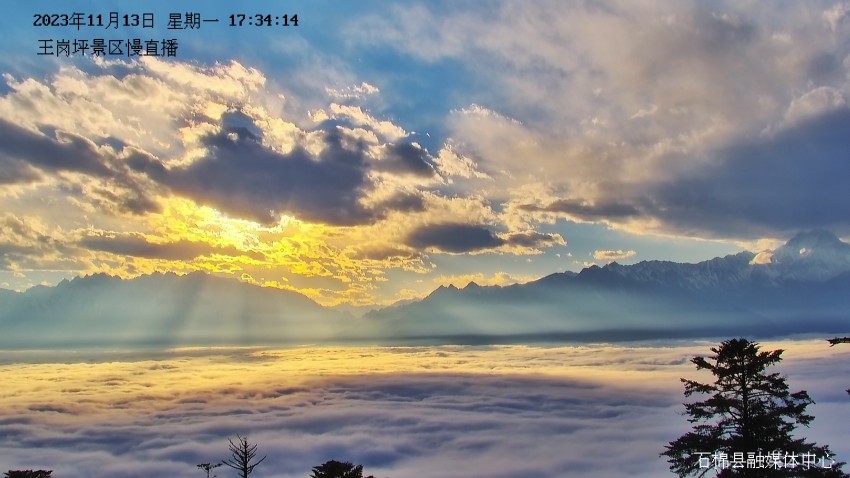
[402, 412]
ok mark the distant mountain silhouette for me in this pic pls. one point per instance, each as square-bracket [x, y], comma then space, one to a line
[803, 286]
[160, 309]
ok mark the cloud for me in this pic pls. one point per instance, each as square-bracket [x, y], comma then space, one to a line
[13, 171]
[231, 80]
[67, 152]
[356, 115]
[817, 102]
[353, 92]
[461, 238]
[452, 164]
[584, 211]
[506, 412]
[630, 115]
[763, 257]
[240, 176]
[96, 173]
[607, 103]
[455, 238]
[533, 240]
[404, 202]
[786, 181]
[137, 245]
[27, 243]
[619, 254]
[407, 158]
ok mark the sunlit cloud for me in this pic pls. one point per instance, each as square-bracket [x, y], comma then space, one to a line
[490, 135]
[353, 92]
[191, 202]
[619, 254]
[610, 125]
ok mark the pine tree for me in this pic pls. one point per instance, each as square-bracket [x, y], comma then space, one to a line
[208, 467]
[337, 469]
[744, 428]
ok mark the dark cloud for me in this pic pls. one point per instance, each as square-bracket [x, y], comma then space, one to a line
[121, 194]
[454, 237]
[405, 202]
[16, 172]
[795, 180]
[138, 202]
[109, 183]
[585, 211]
[407, 158]
[533, 240]
[459, 238]
[242, 124]
[142, 162]
[67, 152]
[242, 177]
[238, 175]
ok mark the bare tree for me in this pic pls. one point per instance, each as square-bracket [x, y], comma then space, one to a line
[242, 455]
[208, 467]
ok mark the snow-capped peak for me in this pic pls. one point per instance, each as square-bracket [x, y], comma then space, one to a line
[811, 255]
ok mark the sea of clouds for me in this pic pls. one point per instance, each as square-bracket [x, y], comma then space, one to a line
[449, 411]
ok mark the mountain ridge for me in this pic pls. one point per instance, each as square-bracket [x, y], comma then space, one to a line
[800, 286]
[722, 295]
[161, 309]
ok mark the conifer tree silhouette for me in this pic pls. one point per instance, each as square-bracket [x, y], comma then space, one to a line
[338, 469]
[207, 467]
[748, 411]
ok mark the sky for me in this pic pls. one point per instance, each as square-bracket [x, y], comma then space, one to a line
[379, 149]
[501, 412]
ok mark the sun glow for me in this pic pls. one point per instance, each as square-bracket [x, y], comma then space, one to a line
[320, 261]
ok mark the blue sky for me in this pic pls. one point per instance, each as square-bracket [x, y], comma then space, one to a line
[380, 149]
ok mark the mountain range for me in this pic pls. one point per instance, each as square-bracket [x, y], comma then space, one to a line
[801, 287]
[160, 310]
